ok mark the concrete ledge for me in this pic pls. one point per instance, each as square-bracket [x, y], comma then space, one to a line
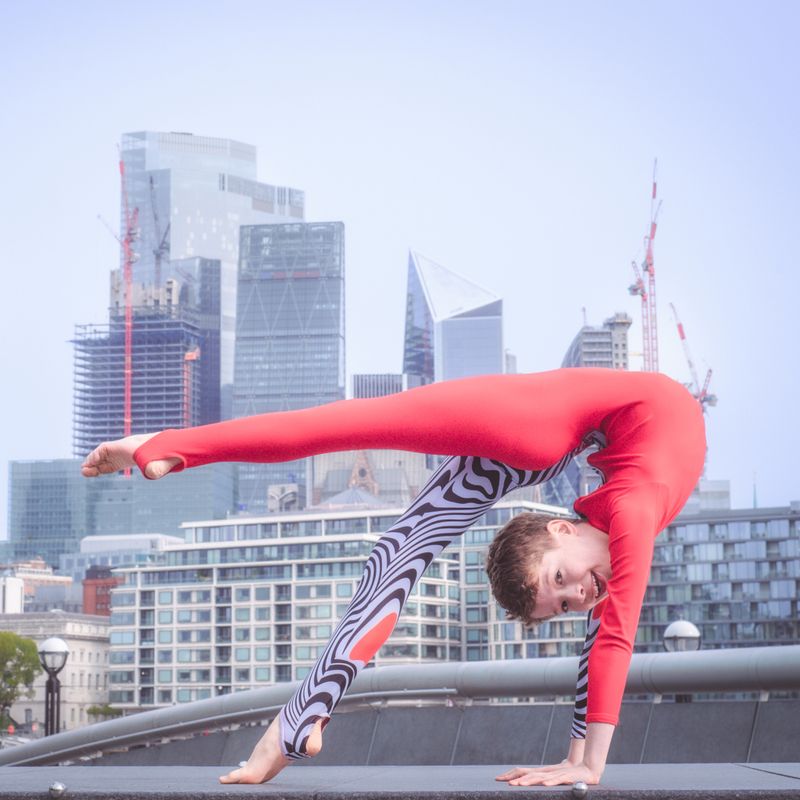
[639, 782]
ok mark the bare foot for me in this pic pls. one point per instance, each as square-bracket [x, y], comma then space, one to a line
[118, 455]
[267, 758]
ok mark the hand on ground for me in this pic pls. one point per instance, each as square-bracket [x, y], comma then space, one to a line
[118, 455]
[552, 775]
[267, 759]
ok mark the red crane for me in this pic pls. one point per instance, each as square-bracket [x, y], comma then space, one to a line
[648, 292]
[129, 236]
[700, 393]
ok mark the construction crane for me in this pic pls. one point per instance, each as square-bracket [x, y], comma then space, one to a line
[162, 248]
[129, 257]
[188, 362]
[129, 235]
[700, 393]
[647, 291]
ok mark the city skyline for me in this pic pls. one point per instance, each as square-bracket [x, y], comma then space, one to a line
[532, 177]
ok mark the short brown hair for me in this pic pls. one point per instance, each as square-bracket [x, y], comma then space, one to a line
[512, 564]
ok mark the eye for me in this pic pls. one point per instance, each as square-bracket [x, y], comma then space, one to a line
[558, 576]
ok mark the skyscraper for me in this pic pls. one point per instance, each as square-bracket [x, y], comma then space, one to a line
[192, 194]
[605, 346]
[175, 359]
[289, 334]
[454, 328]
[378, 384]
[601, 347]
[52, 507]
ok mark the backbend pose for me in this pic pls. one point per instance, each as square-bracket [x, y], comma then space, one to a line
[502, 432]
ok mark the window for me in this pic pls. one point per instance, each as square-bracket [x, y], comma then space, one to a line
[241, 653]
[164, 598]
[263, 674]
[165, 618]
[165, 636]
[262, 613]
[243, 595]
[344, 589]
[262, 653]
[165, 676]
[243, 615]
[262, 593]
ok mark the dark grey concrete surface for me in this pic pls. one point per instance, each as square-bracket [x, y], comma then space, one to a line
[483, 734]
[649, 781]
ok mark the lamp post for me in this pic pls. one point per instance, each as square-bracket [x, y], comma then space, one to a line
[681, 636]
[53, 655]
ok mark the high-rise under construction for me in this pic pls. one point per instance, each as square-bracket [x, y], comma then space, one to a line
[164, 358]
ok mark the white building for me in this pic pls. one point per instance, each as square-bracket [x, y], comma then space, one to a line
[252, 601]
[84, 679]
[12, 595]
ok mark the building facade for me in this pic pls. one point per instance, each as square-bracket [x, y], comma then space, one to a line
[84, 679]
[52, 507]
[192, 194]
[289, 336]
[252, 601]
[97, 586]
[175, 368]
[454, 328]
[735, 573]
[378, 384]
[605, 346]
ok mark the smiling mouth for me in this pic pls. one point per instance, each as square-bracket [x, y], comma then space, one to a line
[599, 588]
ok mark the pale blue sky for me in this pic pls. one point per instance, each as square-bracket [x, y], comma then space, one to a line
[510, 141]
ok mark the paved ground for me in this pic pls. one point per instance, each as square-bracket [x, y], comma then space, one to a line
[631, 782]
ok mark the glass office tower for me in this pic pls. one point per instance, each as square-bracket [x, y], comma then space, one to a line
[454, 328]
[289, 338]
[192, 193]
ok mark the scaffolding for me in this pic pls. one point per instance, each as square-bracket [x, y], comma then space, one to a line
[162, 393]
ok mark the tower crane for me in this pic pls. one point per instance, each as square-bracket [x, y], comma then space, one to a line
[162, 248]
[647, 291]
[126, 238]
[129, 236]
[700, 393]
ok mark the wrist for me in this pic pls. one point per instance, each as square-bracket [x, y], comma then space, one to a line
[576, 750]
[597, 744]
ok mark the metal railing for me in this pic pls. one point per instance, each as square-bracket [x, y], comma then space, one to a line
[752, 669]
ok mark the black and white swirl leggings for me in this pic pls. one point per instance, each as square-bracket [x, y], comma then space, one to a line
[460, 491]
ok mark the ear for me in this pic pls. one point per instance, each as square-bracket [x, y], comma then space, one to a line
[561, 526]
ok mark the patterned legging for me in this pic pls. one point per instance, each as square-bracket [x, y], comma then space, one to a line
[460, 491]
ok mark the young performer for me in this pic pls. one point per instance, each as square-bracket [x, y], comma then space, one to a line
[502, 432]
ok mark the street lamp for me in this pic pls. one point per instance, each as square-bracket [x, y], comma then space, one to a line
[681, 636]
[53, 655]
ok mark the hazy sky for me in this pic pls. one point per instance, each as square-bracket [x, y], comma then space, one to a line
[509, 141]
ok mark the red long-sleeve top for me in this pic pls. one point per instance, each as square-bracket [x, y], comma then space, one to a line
[653, 458]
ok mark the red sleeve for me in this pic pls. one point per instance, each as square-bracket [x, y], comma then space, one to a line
[518, 419]
[632, 533]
